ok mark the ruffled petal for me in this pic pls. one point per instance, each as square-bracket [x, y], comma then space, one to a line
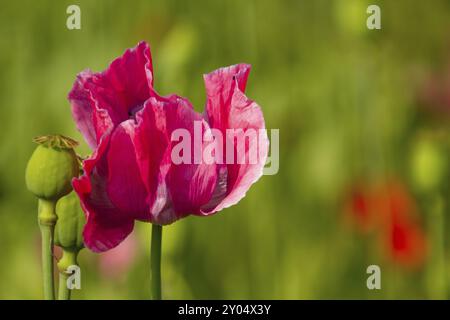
[103, 100]
[106, 225]
[125, 187]
[227, 107]
[150, 144]
[83, 108]
[191, 182]
[104, 234]
[178, 188]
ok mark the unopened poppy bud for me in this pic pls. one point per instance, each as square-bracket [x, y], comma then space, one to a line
[52, 167]
[428, 164]
[70, 224]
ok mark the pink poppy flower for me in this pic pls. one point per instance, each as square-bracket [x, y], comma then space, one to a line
[131, 174]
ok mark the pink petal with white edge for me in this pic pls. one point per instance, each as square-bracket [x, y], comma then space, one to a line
[227, 107]
[192, 184]
[83, 108]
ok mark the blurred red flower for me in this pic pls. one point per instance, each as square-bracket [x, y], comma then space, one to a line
[360, 209]
[390, 210]
[406, 242]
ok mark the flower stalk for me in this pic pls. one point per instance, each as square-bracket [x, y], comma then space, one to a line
[69, 237]
[47, 220]
[48, 176]
[69, 258]
[156, 262]
[437, 274]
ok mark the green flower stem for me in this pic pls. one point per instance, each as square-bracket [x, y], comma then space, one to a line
[156, 262]
[63, 291]
[437, 275]
[69, 258]
[47, 220]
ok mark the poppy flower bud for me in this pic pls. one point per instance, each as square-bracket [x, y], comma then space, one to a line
[52, 167]
[428, 164]
[70, 224]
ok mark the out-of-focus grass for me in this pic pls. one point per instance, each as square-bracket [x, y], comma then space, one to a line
[343, 97]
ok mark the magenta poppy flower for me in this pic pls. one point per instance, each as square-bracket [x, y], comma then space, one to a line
[132, 174]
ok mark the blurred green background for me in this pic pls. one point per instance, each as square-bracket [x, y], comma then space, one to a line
[349, 102]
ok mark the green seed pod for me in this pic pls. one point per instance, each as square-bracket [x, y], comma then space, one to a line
[70, 223]
[428, 165]
[52, 166]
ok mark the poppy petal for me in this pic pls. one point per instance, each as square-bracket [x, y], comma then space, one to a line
[179, 188]
[106, 225]
[120, 91]
[197, 177]
[125, 187]
[227, 108]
